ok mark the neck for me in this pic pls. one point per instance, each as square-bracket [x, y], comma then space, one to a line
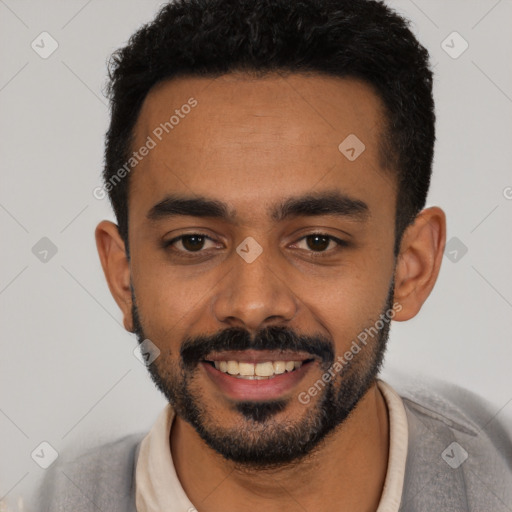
[349, 468]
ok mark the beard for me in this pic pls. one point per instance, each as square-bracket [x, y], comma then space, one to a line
[262, 438]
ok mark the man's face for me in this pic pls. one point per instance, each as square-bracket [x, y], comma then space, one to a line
[255, 291]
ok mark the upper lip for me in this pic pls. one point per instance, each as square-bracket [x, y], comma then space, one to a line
[258, 356]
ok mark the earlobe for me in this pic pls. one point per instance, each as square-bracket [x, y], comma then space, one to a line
[419, 261]
[116, 267]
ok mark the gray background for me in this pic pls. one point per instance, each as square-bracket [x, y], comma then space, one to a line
[68, 375]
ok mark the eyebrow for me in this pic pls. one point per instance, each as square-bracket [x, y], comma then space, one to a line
[332, 203]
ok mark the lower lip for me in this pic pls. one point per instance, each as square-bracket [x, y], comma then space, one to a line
[264, 389]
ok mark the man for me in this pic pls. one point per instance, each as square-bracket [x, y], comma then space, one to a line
[268, 163]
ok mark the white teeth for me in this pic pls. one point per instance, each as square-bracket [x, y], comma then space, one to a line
[264, 369]
[252, 377]
[256, 371]
[279, 367]
[246, 369]
[233, 367]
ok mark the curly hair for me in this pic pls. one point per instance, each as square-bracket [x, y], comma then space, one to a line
[362, 39]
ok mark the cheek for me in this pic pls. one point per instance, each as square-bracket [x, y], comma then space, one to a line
[350, 301]
[169, 301]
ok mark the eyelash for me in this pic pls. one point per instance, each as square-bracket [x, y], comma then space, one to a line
[193, 254]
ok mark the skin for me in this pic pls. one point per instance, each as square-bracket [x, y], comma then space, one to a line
[252, 143]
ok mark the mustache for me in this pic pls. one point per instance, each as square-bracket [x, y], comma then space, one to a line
[196, 349]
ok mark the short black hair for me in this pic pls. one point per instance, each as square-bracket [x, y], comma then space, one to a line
[361, 39]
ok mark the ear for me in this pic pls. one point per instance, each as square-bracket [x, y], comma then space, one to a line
[116, 267]
[419, 261]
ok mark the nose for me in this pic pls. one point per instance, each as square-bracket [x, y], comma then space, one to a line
[254, 295]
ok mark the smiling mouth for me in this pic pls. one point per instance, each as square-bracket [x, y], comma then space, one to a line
[257, 371]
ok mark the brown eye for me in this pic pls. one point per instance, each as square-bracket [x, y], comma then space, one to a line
[190, 244]
[193, 242]
[318, 242]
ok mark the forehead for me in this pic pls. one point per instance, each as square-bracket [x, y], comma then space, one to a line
[237, 137]
[297, 107]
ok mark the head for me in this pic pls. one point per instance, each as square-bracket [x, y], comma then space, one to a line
[268, 164]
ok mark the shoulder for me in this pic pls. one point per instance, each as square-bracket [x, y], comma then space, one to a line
[448, 405]
[460, 447]
[101, 477]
